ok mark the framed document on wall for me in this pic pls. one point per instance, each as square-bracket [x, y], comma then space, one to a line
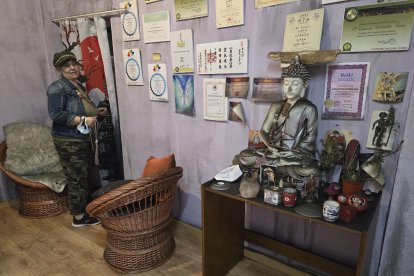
[378, 27]
[303, 31]
[215, 100]
[345, 90]
[223, 57]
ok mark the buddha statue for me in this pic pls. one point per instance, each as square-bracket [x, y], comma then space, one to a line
[289, 130]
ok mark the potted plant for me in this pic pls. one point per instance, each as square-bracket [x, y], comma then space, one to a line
[331, 154]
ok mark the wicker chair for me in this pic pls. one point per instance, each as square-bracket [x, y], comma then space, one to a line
[36, 199]
[136, 217]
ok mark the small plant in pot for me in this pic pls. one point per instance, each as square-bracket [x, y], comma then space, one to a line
[351, 179]
[332, 153]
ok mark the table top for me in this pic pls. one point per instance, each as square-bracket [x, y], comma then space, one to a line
[360, 224]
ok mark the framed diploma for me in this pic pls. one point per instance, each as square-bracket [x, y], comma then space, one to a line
[229, 13]
[303, 31]
[182, 53]
[188, 9]
[133, 67]
[267, 89]
[156, 27]
[157, 78]
[267, 3]
[345, 90]
[215, 101]
[237, 87]
[379, 27]
[224, 57]
[130, 21]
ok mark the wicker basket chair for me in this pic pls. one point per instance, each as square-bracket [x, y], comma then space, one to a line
[36, 199]
[136, 217]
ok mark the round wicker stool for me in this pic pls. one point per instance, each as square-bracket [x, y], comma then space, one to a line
[36, 199]
[141, 251]
[136, 217]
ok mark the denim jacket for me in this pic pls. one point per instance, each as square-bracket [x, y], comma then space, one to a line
[64, 105]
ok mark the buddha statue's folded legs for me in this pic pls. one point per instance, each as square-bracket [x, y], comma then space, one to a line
[252, 159]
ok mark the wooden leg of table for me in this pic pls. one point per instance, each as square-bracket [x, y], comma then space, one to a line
[361, 254]
[222, 239]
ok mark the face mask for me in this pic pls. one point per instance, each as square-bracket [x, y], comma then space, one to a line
[83, 128]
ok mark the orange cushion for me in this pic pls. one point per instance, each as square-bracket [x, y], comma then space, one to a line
[156, 165]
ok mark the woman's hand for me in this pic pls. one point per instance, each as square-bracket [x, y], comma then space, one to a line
[102, 110]
[90, 121]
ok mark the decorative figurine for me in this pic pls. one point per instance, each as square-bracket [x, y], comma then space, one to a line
[249, 185]
[310, 188]
[289, 130]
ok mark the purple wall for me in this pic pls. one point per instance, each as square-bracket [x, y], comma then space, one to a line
[202, 147]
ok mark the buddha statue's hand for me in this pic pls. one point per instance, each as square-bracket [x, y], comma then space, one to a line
[287, 154]
[288, 162]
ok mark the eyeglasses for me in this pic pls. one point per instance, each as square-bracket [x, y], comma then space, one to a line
[68, 64]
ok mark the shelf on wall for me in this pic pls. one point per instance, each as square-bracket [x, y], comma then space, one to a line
[307, 57]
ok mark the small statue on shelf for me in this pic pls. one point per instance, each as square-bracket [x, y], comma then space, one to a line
[249, 185]
[289, 130]
[310, 188]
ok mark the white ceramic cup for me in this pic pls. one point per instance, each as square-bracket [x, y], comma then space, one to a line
[330, 210]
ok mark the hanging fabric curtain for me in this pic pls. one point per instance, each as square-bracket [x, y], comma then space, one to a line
[88, 40]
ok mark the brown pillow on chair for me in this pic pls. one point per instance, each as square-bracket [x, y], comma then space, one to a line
[155, 165]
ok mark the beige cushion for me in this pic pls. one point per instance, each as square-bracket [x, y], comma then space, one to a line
[30, 149]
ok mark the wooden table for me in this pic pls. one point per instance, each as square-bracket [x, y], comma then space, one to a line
[224, 233]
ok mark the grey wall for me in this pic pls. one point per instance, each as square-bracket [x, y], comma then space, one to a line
[25, 70]
[201, 147]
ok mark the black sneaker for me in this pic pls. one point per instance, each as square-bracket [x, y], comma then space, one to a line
[85, 221]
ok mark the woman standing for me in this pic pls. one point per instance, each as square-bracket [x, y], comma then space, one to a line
[74, 116]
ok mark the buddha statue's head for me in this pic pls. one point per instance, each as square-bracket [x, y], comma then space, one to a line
[295, 79]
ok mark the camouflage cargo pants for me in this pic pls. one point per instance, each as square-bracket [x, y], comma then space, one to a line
[77, 159]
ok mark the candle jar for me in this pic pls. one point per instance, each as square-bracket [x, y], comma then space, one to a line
[272, 195]
[289, 197]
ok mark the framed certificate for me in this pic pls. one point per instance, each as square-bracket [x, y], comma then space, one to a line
[133, 67]
[156, 27]
[267, 89]
[379, 27]
[223, 57]
[345, 90]
[303, 31]
[267, 3]
[229, 13]
[130, 21]
[157, 78]
[182, 53]
[188, 9]
[215, 101]
[237, 87]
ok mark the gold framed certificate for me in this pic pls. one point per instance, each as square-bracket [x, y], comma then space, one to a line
[188, 9]
[379, 27]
